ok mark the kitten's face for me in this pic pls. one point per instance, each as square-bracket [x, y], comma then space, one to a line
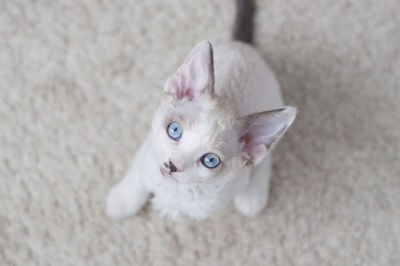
[198, 136]
[205, 145]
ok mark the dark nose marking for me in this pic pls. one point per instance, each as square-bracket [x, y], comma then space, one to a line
[172, 167]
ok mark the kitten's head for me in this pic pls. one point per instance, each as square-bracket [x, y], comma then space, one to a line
[199, 135]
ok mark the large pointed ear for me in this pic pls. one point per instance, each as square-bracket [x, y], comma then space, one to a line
[260, 131]
[195, 76]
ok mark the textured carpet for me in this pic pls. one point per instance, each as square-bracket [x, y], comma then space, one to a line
[79, 82]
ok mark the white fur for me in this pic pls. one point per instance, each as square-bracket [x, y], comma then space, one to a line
[214, 116]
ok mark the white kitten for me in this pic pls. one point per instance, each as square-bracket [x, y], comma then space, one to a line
[210, 142]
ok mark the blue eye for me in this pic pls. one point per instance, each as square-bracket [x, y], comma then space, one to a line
[174, 130]
[210, 160]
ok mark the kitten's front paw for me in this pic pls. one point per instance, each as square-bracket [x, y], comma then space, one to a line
[122, 202]
[250, 204]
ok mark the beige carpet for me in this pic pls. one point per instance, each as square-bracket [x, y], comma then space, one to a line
[78, 85]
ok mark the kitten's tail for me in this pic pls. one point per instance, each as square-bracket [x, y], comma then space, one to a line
[243, 28]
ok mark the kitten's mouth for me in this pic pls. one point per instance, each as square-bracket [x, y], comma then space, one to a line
[167, 174]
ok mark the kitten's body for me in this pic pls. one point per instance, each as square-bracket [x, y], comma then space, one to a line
[212, 135]
[244, 78]
[247, 85]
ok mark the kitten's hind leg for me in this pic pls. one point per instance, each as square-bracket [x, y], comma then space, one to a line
[128, 196]
[254, 198]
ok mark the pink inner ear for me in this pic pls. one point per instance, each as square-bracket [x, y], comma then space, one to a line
[262, 130]
[180, 89]
[194, 76]
[256, 140]
[189, 93]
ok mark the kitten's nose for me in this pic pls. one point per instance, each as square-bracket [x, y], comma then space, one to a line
[172, 167]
